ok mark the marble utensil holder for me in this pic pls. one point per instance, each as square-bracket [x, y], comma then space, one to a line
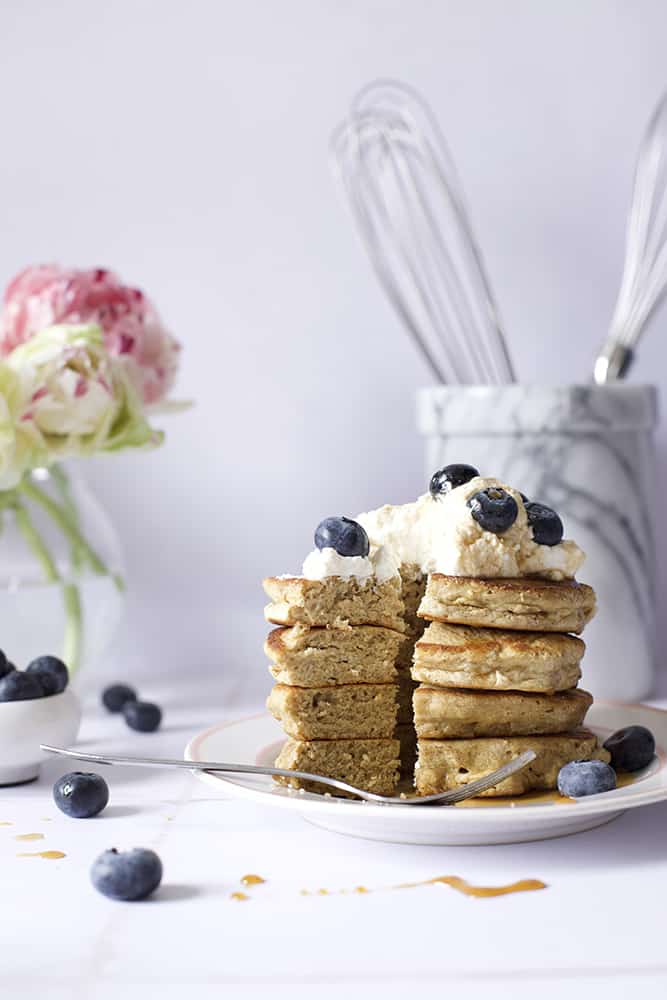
[586, 451]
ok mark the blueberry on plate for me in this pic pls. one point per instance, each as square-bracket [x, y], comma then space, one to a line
[546, 524]
[585, 777]
[631, 748]
[127, 875]
[51, 673]
[18, 685]
[342, 534]
[81, 794]
[450, 477]
[494, 509]
[5, 665]
[143, 716]
[116, 696]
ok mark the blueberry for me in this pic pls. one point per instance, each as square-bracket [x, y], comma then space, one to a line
[546, 524]
[450, 477]
[494, 509]
[5, 665]
[50, 672]
[585, 777]
[18, 685]
[342, 534]
[631, 748]
[127, 875]
[81, 794]
[115, 697]
[142, 716]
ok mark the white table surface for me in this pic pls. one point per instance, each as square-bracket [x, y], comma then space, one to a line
[597, 930]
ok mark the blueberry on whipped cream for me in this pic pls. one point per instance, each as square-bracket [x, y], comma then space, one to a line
[450, 477]
[342, 534]
[494, 509]
[546, 524]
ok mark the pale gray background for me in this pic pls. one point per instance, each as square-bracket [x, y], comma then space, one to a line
[185, 145]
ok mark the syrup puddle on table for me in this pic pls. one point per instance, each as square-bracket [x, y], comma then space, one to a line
[453, 881]
[252, 880]
[240, 897]
[29, 836]
[49, 855]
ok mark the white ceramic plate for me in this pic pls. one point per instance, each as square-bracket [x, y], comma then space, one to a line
[257, 741]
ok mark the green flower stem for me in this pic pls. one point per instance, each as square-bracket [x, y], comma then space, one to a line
[64, 522]
[73, 626]
[27, 528]
[73, 617]
[61, 481]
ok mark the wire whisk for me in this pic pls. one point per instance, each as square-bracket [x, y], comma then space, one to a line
[392, 162]
[644, 280]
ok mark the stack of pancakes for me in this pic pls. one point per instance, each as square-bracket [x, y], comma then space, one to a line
[498, 668]
[334, 659]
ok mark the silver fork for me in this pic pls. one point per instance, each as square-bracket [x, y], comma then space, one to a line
[441, 798]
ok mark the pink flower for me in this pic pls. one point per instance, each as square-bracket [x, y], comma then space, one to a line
[48, 295]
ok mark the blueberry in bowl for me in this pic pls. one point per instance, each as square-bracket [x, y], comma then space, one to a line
[447, 479]
[81, 794]
[342, 534]
[494, 509]
[127, 875]
[585, 777]
[51, 673]
[631, 748]
[36, 706]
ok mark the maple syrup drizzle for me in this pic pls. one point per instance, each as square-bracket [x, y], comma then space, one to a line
[534, 798]
[49, 855]
[480, 891]
[252, 880]
[29, 836]
[240, 897]
[453, 881]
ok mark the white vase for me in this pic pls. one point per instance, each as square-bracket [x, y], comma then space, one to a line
[586, 451]
[76, 615]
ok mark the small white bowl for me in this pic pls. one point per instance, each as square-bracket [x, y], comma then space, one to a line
[54, 719]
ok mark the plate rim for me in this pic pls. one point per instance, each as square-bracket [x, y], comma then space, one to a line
[615, 801]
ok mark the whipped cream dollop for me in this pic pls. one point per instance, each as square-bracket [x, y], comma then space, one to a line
[439, 535]
[378, 565]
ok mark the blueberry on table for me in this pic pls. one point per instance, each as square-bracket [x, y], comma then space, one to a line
[494, 509]
[143, 716]
[5, 665]
[116, 696]
[81, 794]
[51, 673]
[631, 748]
[450, 477]
[342, 534]
[585, 777]
[546, 524]
[18, 685]
[127, 875]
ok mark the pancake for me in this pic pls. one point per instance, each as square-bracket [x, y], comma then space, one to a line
[373, 765]
[320, 657]
[442, 713]
[525, 603]
[334, 601]
[446, 764]
[349, 711]
[461, 656]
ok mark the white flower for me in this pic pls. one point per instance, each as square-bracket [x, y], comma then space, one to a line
[68, 396]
